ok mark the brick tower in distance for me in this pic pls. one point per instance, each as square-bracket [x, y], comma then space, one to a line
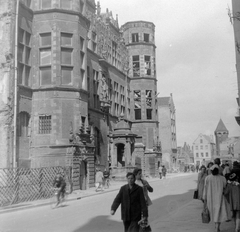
[140, 41]
[221, 134]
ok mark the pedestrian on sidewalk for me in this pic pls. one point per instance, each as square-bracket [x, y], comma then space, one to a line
[232, 193]
[201, 180]
[160, 171]
[164, 171]
[133, 204]
[213, 197]
[144, 184]
[99, 179]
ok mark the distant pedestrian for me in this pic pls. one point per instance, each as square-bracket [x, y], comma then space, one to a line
[197, 167]
[213, 197]
[106, 175]
[164, 171]
[99, 180]
[201, 180]
[133, 204]
[144, 184]
[160, 171]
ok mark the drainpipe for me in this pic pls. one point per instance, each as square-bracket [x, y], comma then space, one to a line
[15, 89]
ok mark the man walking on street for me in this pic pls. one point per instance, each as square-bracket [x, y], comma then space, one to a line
[133, 204]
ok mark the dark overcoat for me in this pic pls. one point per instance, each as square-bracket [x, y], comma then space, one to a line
[132, 202]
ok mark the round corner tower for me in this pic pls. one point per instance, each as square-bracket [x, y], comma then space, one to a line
[139, 38]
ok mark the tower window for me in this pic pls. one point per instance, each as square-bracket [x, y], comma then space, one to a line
[146, 37]
[136, 66]
[135, 38]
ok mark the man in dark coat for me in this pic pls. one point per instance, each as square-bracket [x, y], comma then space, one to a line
[133, 204]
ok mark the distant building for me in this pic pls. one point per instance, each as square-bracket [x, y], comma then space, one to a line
[203, 150]
[221, 134]
[167, 130]
[235, 19]
[184, 156]
[227, 148]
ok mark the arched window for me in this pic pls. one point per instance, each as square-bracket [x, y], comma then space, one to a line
[23, 124]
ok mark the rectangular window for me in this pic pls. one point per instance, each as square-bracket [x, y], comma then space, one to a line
[202, 155]
[20, 53]
[46, 4]
[27, 55]
[45, 56]
[196, 147]
[20, 73]
[138, 114]
[81, 44]
[146, 37]
[94, 41]
[66, 39]
[45, 39]
[27, 38]
[206, 154]
[45, 124]
[149, 114]
[135, 38]
[136, 66]
[196, 154]
[66, 75]
[27, 76]
[46, 76]
[147, 61]
[66, 4]
[66, 56]
[20, 35]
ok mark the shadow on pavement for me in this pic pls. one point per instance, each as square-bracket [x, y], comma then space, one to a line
[101, 224]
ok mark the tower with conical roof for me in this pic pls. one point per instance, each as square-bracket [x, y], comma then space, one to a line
[221, 134]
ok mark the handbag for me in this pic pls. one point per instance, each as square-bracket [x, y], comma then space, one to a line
[144, 226]
[205, 215]
[195, 194]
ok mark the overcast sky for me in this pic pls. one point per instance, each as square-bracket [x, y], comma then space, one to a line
[195, 60]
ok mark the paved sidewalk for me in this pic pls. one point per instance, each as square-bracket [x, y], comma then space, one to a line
[188, 218]
[78, 194]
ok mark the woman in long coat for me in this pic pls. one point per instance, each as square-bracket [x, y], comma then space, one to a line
[201, 180]
[214, 198]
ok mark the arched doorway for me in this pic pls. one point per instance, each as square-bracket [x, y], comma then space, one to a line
[120, 155]
[83, 175]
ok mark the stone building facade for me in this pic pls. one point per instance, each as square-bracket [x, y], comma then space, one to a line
[203, 150]
[235, 20]
[167, 130]
[79, 76]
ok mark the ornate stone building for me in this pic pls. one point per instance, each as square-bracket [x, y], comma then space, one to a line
[84, 90]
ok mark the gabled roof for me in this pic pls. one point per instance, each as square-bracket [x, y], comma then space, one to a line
[208, 138]
[221, 126]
